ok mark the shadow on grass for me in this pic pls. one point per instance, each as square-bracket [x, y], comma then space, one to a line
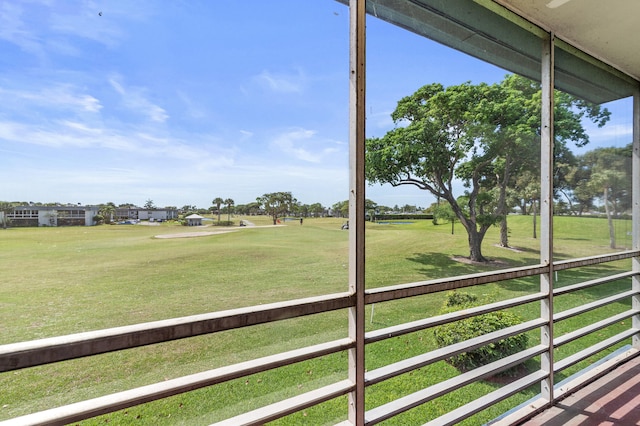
[440, 265]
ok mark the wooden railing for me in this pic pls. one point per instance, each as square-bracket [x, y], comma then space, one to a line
[39, 352]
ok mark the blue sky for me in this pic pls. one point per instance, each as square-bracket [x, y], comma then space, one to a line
[181, 102]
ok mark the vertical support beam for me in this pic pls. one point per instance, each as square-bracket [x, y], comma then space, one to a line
[356, 206]
[635, 210]
[546, 211]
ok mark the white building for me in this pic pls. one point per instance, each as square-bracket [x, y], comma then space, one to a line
[140, 213]
[70, 215]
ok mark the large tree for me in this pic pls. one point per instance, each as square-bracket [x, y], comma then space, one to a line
[277, 204]
[482, 135]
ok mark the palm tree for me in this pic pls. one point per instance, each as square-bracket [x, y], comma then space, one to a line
[229, 203]
[218, 202]
[107, 211]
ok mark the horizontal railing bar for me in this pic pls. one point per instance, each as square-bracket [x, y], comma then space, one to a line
[409, 364]
[591, 283]
[289, 406]
[561, 316]
[400, 405]
[38, 352]
[401, 291]
[410, 327]
[14, 356]
[581, 332]
[129, 398]
[592, 350]
[475, 406]
[594, 260]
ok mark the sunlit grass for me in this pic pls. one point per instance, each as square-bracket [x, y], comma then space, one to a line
[68, 280]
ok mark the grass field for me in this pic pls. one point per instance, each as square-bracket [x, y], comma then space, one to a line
[59, 281]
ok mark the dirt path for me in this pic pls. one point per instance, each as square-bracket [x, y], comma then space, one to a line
[207, 233]
[195, 234]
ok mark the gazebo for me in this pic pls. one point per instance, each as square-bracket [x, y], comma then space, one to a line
[194, 220]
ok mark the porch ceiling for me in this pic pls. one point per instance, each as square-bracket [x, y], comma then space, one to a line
[596, 56]
[607, 30]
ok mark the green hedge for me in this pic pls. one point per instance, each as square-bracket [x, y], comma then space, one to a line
[469, 328]
[402, 217]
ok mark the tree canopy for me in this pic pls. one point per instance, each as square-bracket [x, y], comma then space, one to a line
[480, 135]
[277, 204]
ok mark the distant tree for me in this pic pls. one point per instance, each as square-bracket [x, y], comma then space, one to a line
[370, 205]
[218, 202]
[610, 179]
[149, 204]
[527, 193]
[108, 211]
[443, 212]
[316, 209]
[6, 208]
[229, 203]
[341, 208]
[277, 204]
[303, 210]
[254, 208]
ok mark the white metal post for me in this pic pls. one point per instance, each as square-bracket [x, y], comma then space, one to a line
[356, 206]
[635, 213]
[546, 211]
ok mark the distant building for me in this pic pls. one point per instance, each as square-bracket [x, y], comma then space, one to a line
[194, 220]
[140, 213]
[70, 215]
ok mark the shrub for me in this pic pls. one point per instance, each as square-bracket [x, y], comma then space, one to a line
[458, 331]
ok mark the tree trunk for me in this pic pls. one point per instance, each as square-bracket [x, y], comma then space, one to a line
[475, 246]
[612, 234]
[504, 234]
[535, 222]
[502, 203]
[475, 237]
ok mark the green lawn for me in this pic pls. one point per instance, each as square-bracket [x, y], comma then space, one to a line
[66, 280]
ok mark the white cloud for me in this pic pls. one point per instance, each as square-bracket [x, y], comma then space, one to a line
[192, 109]
[60, 96]
[52, 27]
[134, 99]
[281, 83]
[304, 145]
[613, 131]
[13, 29]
